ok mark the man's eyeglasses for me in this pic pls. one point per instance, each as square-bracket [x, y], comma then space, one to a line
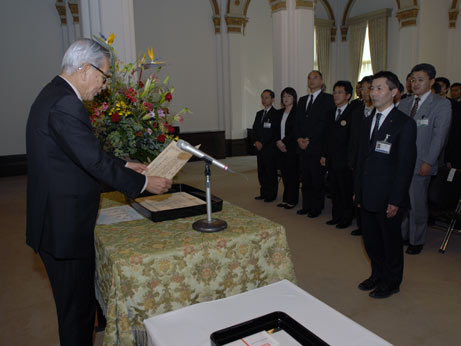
[105, 76]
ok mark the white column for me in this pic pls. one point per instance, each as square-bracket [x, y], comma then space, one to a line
[303, 47]
[237, 121]
[408, 50]
[111, 16]
[280, 51]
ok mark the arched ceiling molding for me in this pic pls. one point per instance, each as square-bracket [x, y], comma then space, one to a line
[61, 8]
[216, 16]
[453, 13]
[331, 16]
[235, 17]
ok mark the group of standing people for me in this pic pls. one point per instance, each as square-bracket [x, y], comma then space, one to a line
[378, 151]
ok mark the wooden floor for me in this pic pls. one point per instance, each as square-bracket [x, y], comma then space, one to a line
[329, 264]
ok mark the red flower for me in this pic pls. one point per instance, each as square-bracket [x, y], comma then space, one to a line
[170, 129]
[161, 138]
[167, 111]
[168, 97]
[139, 134]
[140, 85]
[115, 117]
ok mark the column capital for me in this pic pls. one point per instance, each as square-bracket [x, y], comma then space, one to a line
[452, 16]
[236, 24]
[407, 16]
[61, 8]
[305, 4]
[217, 24]
[344, 29]
[278, 5]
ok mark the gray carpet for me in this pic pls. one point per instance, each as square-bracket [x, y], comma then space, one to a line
[329, 264]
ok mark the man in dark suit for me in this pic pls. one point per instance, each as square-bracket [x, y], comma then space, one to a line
[310, 131]
[432, 114]
[264, 141]
[65, 166]
[336, 155]
[385, 163]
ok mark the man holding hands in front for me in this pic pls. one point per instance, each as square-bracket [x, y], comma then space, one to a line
[385, 162]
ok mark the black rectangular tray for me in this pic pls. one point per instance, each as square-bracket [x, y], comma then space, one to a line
[277, 319]
[158, 216]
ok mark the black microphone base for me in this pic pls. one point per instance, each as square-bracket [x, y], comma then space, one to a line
[204, 226]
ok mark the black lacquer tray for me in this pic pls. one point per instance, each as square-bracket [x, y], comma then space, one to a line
[274, 320]
[157, 216]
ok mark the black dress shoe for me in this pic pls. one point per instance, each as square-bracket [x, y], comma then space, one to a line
[313, 214]
[343, 224]
[332, 221]
[414, 249]
[268, 200]
[369, 284]
[281, 205]
[259, 198]
[302, 212]
[383, 292]
[356, 232]
[289, 206]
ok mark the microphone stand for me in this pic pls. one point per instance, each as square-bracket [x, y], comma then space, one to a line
[209, 225]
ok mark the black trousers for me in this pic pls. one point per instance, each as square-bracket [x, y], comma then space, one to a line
[312, 178]
[267, 172]
[289, 166]
[383, 241]
[341, 190]
[72, 282]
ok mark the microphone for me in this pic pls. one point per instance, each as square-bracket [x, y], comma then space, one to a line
[186, 146]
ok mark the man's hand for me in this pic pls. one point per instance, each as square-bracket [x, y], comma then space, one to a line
[258, 145]
[303, 143]
[391, 210]
[424, 169]
[281, 146]
[323, 161]
[137, 167]
[158, 185]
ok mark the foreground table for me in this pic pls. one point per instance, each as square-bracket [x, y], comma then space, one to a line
[193, 325]
[144, 269]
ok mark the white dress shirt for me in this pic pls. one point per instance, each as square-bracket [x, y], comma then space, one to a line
[384, 115]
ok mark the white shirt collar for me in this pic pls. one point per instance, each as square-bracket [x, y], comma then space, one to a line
[342, 108]
[423, 97]
[315, 94]
[74, 88]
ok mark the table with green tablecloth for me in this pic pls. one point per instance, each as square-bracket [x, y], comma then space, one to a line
[145, 268]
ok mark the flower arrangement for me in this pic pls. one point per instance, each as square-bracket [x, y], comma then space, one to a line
[132, 119]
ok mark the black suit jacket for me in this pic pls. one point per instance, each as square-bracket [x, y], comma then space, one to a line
[338, 139]
[65, 166]
[290, 136]
[313, 125]
[265, 135]
[383, 179]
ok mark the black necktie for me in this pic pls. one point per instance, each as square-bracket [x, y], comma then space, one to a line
[338, 114]
[376, 128]
[263, 119]
[310, 103]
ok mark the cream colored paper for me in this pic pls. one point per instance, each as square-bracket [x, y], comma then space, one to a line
[169, 201]
[169, 162]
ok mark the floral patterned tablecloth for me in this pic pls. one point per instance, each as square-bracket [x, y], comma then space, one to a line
[144, 268]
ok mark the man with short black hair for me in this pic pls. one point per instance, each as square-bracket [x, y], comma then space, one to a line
[336, 155]
[264, 141]
[444, 86]
[455, 92]
[387, 153]
[432, 114]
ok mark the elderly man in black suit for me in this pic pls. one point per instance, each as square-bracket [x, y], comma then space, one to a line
[311, 122]
[65, 166]
[385, 163]
[264, 141]
[336, 155]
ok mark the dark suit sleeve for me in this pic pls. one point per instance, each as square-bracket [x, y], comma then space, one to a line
[406, 163]
[300, 115]
[290, 135]
[71, 129]
[277, 124]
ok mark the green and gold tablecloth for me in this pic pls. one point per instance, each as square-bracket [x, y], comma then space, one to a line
[144, 268]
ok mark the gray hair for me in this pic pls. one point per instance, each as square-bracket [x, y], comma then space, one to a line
[83, 51]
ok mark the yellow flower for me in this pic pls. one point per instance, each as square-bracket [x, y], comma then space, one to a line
[110, 40]
[150, 52]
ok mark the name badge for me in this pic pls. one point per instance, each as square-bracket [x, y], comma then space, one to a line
[383, 146]
[422, 122]
[267, 125]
